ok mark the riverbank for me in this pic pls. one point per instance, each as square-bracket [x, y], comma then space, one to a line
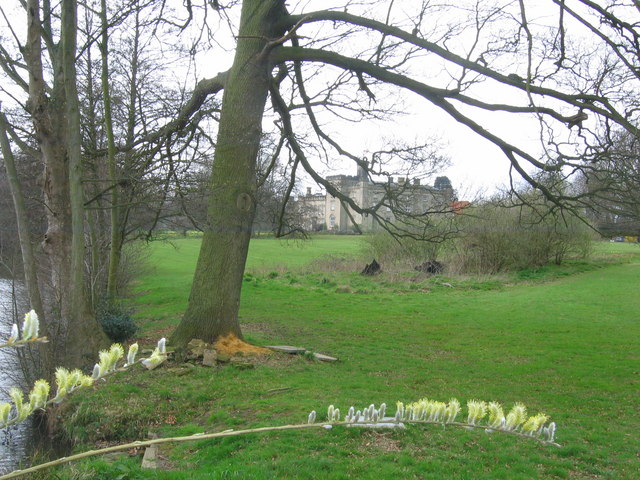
[14, 441]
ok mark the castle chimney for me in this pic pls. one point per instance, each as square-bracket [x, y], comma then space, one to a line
[416, 181]
[361, 172]
[308, 191]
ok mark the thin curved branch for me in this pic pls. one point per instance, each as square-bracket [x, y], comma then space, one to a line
[272, 163]
[582, 100]
[434, 95]
[280, 107]
[312, 118]
[203, 89]
[614, 21]
[395, 228]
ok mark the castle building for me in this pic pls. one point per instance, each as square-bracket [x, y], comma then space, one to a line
[325, 212]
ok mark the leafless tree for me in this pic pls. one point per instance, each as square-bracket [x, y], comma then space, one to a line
[464, 59]
[563, 71]
[89, 124]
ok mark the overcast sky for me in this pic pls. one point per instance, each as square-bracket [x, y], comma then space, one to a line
[476, 163]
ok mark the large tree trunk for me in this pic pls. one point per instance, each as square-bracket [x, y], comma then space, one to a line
[76, 334]
[214, 301]
[83, 329]
[115, 250]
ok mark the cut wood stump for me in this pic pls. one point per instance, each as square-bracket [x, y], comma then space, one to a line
[150, 458]
[209, 358]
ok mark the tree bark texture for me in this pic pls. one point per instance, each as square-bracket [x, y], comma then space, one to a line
[83, 326]
[115, 249]
[215, 294]
[26, 247]
[75, 333]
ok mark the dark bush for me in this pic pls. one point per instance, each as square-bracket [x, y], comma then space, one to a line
[116, 321]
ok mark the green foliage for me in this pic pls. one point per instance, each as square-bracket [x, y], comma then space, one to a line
[116, 321]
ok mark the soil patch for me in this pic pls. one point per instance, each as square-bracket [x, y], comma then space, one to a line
[382, 442]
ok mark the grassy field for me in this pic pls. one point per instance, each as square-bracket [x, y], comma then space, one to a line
[164, 284]
[563, 340]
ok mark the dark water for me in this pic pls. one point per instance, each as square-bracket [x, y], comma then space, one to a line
[14, 441]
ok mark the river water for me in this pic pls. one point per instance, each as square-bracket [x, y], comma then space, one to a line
[14, 440]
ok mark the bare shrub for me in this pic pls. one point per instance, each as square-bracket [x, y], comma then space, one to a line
[133, 264]
[403, 252]
[496, 239]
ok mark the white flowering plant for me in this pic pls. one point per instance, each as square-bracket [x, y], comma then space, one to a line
[30, 332]
[481, 415]
[66, 381]
[488, 416]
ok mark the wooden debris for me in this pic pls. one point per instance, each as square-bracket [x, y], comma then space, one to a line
[196, 349]
[150, 458]
[277, 390]
[287, 349]
[222, 358]
[371, 269]
[301, 351]
[324, 358]
[232, 345]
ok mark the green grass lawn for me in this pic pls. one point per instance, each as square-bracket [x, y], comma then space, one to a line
[163, 287]
[563, 340]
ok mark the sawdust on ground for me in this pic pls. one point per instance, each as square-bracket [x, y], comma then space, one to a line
[232, 345]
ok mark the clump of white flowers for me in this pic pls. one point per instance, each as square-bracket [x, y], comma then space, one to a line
[426, 410]
[158, 355]
[68, 381]
[487, 415]
[515, 421]
[108, 359]
[30, 332]
[371, 414]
